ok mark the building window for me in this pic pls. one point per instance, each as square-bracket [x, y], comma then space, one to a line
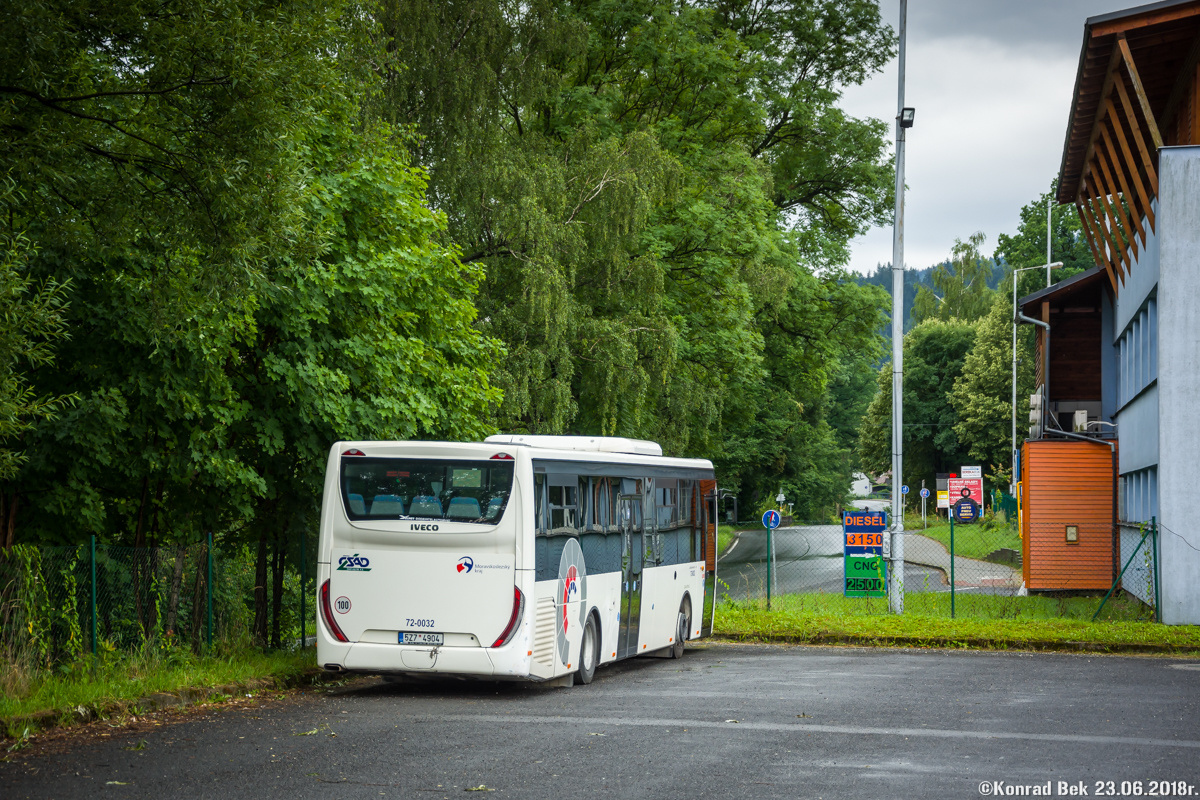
[1137, 353]
[1140, 495]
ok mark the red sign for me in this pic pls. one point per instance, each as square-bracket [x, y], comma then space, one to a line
[965, 487]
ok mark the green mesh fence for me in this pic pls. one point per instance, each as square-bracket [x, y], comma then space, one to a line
[1006, 507]
[53, 611]
[807, 559]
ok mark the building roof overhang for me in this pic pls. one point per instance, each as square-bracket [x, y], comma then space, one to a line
[1161, 39]
[1132, 89]
[1083, 283]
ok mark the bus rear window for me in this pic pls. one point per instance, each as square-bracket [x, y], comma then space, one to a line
[410, 488]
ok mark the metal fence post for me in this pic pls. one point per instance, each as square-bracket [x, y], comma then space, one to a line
[770, 566]
[951, 563]
[303, 588]
[1157, 604]
[94, 649]
[208, 587]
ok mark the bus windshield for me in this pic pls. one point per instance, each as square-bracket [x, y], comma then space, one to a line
[426, 488]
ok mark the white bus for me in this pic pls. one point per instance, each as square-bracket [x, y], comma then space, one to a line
[524, 557]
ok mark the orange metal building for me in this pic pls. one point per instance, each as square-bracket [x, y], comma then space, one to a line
[1067, 484]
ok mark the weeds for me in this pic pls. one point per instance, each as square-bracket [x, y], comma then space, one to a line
[120, 679]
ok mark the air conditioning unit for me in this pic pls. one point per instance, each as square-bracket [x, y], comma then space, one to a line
[1080, 422]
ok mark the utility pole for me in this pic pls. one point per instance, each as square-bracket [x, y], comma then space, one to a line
[903, 120]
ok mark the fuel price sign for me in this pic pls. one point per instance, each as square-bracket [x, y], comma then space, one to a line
[865, 568]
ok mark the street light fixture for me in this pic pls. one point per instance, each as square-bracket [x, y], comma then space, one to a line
[1012, 484]
[906, 117]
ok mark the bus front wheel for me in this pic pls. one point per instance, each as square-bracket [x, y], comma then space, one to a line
[589, 651]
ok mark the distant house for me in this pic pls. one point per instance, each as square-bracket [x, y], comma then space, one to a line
[1123, 339]
[861, 485]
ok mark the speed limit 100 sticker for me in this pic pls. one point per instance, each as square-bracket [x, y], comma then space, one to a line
[341, 605]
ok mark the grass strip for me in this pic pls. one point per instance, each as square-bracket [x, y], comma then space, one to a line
[725, 536]
[835, 619]
[121, 682]
[970, 541]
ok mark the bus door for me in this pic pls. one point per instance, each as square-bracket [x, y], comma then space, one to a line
[706, 520]
[631, 578]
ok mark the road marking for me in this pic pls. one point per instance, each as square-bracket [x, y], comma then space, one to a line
[781, 727]
[730, 550]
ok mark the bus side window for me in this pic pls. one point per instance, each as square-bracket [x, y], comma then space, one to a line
[601, 548]
[585, 504]
[563, 493]
[539, 503]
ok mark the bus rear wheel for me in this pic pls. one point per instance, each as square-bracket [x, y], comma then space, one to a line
[683, 626]
[589, 651]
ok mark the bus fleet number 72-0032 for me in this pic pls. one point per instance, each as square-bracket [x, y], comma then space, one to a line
[418, 623]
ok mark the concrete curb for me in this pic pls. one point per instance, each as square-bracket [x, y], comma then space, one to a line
[64, 718]
[960, 643]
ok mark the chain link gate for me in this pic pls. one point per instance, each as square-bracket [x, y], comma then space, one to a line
[808, 560]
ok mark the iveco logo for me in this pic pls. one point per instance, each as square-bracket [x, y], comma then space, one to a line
[424, 526]
[465, 564]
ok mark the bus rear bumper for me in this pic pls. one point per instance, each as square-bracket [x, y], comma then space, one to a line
[366, 657]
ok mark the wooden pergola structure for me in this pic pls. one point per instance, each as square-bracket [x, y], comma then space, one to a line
[1137, 89]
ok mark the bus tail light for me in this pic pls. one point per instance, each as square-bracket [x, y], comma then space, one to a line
[517, 612]
[502, 457]
[327, 614]
[354, 453]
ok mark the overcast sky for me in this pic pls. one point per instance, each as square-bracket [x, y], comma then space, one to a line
[991, 81]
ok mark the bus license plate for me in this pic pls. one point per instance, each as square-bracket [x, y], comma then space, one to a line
[410, 637]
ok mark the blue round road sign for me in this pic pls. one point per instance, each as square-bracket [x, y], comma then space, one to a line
[924, 493]
[904, 489]
[771, 519]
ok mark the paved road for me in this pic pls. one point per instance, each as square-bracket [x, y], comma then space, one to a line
[726, 722]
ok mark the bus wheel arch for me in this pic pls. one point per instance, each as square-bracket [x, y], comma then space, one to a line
[589, 648]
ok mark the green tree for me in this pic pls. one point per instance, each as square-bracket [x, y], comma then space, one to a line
[370, 337]
[1027, 247]
[156, 152]
[935, 352]
[960, 289]
[982, 395]
[649, 184]
[254, 269]
[31, 321]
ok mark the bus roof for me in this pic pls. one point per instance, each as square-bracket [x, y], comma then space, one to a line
[592, 444]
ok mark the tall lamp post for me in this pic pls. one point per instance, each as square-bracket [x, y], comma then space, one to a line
[1012, 484]
[904, 120]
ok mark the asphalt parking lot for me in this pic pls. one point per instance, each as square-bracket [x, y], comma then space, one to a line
[726, 721]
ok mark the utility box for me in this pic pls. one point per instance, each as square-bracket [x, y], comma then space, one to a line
[1067, 514]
